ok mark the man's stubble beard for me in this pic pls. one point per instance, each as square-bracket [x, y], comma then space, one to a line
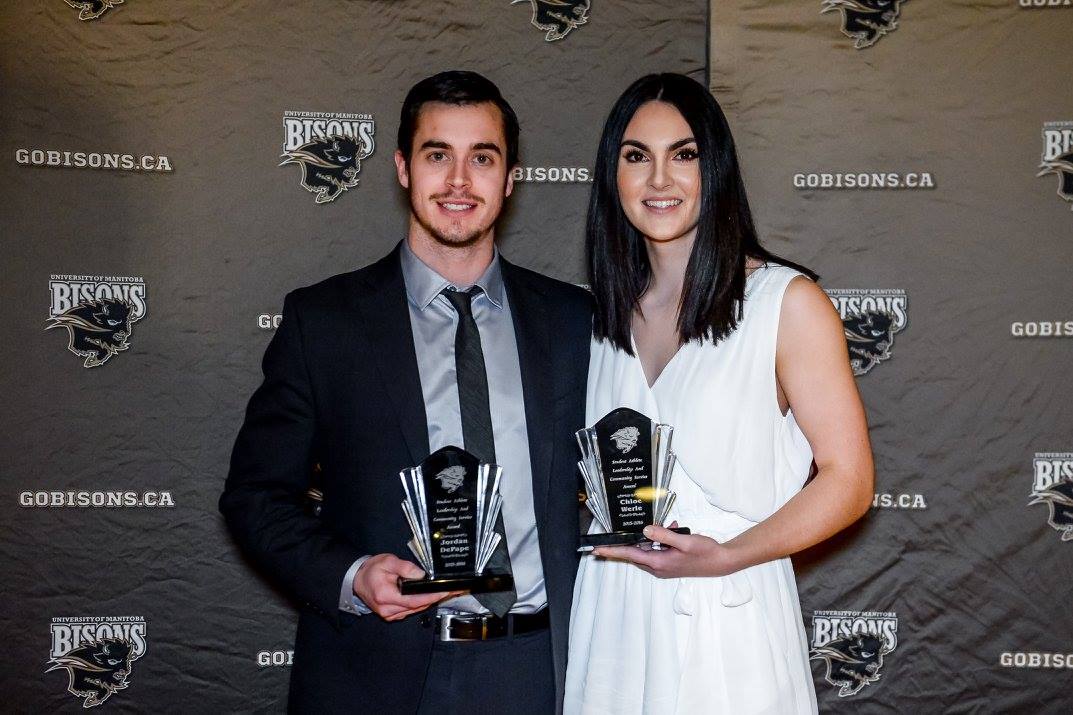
[469, 239]
[443, 239]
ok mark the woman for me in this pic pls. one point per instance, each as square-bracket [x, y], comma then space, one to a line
[699, 327]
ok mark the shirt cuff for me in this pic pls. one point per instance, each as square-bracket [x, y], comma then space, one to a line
[349, 602]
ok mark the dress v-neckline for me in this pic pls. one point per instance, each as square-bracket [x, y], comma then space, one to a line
[641, 366]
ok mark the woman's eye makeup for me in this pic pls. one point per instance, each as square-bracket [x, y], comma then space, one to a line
[634, 156]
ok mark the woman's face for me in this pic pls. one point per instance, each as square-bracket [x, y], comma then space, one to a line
[659, 173]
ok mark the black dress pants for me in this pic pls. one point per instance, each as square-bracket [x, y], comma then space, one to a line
[513, 674]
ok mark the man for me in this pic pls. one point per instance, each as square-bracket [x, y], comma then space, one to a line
[441, 342]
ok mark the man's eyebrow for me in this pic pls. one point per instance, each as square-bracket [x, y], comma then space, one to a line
[479, 146]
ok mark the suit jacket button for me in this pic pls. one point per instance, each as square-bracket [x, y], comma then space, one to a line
[426, 620]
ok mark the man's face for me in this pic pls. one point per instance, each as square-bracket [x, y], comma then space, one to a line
[457, 174]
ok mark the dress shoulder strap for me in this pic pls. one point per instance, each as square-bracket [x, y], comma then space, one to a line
[769, 282]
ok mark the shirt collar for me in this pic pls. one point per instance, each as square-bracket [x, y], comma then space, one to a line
[423, 284]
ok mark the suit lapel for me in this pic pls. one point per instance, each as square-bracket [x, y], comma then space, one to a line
[382, 306]
[532, 333]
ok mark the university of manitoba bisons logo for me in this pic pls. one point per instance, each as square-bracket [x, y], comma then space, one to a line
[1058, 156]
[329, 147]
[92, 9]
[1052, 484]
[96, 653]
[451, 478]
[871, 318]
[558, 18]
[98, 313]
[866, 20]
[853, 646]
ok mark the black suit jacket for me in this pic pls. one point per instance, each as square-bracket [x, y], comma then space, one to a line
[341, 388]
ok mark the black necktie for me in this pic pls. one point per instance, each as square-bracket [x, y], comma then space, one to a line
[477, 426]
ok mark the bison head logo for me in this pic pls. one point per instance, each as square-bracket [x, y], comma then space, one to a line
[853, 662]
[869, 336]
[96, 670]
[626, 438]
[451, 478]
[1063, 166]
[1059, 499]
[558, 18]
[92, 9]
[866, 20]
[96, 329]
[330, 166]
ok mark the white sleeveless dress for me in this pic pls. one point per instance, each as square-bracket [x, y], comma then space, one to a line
[734, 644]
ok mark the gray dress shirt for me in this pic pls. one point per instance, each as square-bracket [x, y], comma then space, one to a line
[434, 321]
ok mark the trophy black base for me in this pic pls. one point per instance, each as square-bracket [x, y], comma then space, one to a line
[620, 538]
[471, 583]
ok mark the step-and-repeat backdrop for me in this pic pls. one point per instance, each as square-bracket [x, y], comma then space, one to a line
[919, 156]
[171, 170]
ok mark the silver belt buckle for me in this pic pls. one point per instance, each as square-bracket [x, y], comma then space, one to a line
[446, 619]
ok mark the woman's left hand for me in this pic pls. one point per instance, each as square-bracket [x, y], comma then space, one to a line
[680, 555]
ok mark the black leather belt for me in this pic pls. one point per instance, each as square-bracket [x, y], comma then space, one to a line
[476, 627]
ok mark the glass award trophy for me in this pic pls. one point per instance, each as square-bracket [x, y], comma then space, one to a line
[452, 503]
[626, 462]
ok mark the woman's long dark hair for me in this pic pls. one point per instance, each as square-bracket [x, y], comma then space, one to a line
[714, 287]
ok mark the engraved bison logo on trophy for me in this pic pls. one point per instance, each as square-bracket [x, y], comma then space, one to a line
[97, 329]
[866, 20]
[853, 662]
[96, 670]
[626, 438]
[330, 166]
[451, 478]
